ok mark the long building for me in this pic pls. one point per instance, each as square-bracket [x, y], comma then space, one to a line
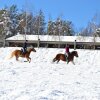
[55, 41]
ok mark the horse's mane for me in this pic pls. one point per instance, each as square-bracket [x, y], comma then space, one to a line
[29, 48]
[73, 52]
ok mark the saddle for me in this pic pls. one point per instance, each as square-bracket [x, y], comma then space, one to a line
[23, 52]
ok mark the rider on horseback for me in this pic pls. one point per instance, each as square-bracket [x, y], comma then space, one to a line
[24, 49]
[66, 52]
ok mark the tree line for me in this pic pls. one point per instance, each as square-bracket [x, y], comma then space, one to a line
[13, 21]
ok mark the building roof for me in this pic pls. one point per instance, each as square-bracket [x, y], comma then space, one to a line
[53, 38]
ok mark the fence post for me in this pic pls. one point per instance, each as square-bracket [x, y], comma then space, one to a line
[75, 45]
[38, 44]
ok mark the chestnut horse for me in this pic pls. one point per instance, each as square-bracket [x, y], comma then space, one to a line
[18, 53]
[63, 57]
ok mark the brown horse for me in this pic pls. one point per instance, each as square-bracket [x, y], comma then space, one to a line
[18, 53]
[63, 57]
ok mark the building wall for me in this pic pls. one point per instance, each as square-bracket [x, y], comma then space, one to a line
[53, 44]
[53, 41]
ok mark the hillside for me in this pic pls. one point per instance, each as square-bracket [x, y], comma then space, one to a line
[44, 80]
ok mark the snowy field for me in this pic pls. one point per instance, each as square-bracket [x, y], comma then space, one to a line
[43, 80]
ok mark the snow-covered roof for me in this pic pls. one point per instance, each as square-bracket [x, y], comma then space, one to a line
[54, 38]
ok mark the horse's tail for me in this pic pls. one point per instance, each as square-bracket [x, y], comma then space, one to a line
[9, 56]
[12, 54]
[54, 59]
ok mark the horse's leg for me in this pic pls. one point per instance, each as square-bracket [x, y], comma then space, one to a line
[28, 59]
[17, 58]
[73, 62]
[58, 61]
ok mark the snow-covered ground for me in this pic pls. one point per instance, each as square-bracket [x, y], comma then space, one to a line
[44, 80]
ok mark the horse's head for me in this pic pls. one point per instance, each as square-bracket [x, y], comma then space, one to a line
[32, 49]
[75, 53]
